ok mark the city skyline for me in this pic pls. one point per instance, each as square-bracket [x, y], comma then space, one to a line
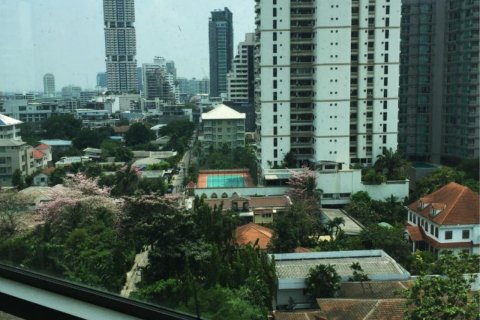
[35, 31]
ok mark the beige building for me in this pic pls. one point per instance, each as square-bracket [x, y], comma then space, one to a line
[14, 153]
[223, 125]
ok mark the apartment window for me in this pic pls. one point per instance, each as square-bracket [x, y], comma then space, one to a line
[275, 142]
[274, 107]
[385, 70]
[387, 9]
[385, 104]
[274, 36]
[384, 127]
[436, 232]
[384, 116]
[386, 46]
[384, 139]
[275, 153]
[465, 234]
[386, 57]
[431, 229]
[274, 72]
[274, 48]
[274, 24]
[274, 1]
[387, 34]
[274, 60]
[385, 81]
[448, 235]
[387, 22]
[385, 93]
[274, 84]
[274, 96]
[274, 12]
[275, 131]
[275, 119]
[370, 56]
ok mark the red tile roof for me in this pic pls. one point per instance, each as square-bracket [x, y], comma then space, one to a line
[250, 232]
[420, 235]
[414, 233]
[298, 315]
[191, 185]
[362, 309]
[457, 204]
[37, 154]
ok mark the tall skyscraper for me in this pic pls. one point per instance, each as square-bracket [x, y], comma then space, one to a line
[326, 80]
[220, 32]
[439, 105]
[120, 45]
[49, 85]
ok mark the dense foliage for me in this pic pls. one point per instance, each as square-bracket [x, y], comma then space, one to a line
[180, 132]
[444, 297]
[323, 281]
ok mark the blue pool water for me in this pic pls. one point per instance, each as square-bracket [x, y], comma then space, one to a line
[228, 180]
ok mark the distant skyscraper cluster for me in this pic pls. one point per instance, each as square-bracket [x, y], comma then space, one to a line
[220, 31]
[120, 45]
[439, 80]
[49, 85]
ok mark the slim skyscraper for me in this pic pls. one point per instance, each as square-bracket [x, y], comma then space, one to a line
[326, 80]
[120, 45]
[49, 85]
[220, 31]
[439, 109]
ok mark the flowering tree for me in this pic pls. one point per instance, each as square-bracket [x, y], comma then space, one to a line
[76, 190]
[303, 189]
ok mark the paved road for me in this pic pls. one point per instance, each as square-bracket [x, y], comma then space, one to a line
[134, 275]
[178, 179]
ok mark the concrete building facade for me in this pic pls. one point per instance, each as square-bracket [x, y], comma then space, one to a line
[220, 32]
[120, 45]
[223, 125]
[326, 80]
[240, 80]
[439, 80]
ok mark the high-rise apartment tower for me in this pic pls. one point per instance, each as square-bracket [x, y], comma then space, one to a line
[439, 80]
[326, 80]
[220, 32]
[49, 84]
[120, 45]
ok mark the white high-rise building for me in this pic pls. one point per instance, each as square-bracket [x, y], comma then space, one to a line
[158, 82]
[326, 80]
[120, 45]
[240, 83]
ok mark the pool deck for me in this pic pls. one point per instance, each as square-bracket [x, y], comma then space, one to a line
[204, 174]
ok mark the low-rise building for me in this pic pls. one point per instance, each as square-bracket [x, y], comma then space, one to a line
[251, 234]
[221, 126]
[14, 155]
[446, 219]
[57, 144]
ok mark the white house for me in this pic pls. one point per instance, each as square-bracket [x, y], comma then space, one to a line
[447, 219]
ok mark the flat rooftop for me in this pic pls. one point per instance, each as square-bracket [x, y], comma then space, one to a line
[351, 226]
[376, 263]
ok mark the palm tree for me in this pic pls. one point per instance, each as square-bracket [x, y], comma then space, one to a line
[392, 164]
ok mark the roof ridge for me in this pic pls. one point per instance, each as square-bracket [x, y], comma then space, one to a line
[455, 201]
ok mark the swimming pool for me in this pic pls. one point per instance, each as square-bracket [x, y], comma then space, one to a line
[227, 180]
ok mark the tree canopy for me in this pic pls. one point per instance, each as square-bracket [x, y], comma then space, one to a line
[137, 134]
[62, 126]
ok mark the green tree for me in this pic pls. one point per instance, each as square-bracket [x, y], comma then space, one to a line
[89, 138]
[11, 205]
[17, 179]
[138, 133]
[289, 161]
[62, 126]
[323, 281]
[443, 297]
[392, 164]
[358, 273]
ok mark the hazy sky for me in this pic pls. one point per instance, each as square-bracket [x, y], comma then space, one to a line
[66, 38]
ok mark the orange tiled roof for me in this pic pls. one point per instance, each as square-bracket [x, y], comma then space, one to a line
[249, 233]
[362, 309]
[48, 171]
[458, 204]
[414, 233]
[37, 154]
[298, 315]
[301, 249]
